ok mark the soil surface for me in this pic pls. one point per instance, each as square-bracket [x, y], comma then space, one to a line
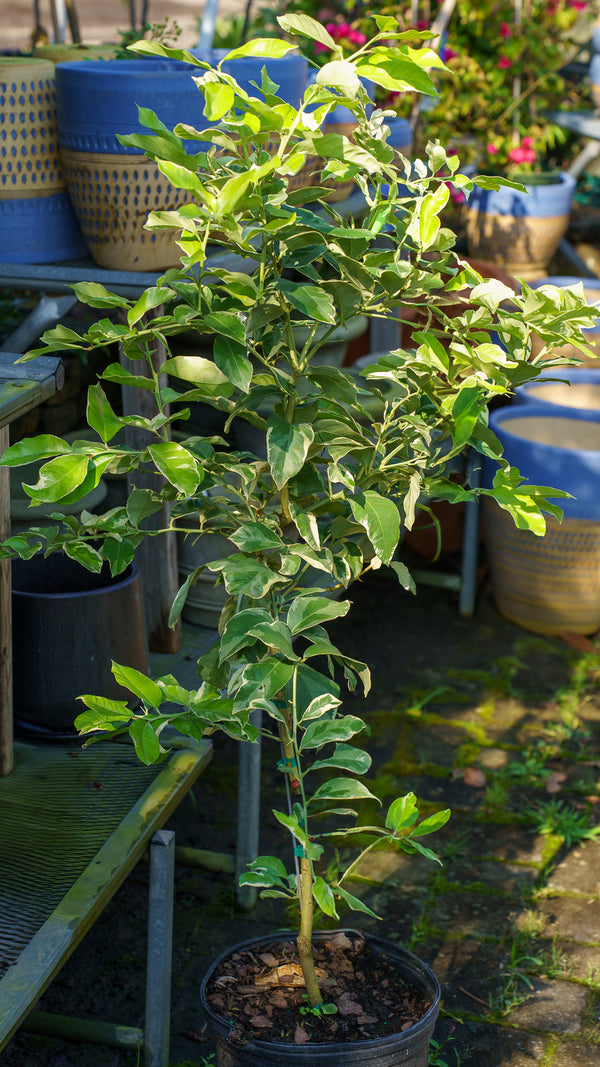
[474, 714]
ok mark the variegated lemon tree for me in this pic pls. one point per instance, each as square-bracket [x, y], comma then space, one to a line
[346, 458]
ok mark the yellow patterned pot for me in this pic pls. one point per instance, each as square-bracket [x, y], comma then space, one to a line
[520, 232]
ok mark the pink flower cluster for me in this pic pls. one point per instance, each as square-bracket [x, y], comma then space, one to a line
[523, 153]
[342, 31]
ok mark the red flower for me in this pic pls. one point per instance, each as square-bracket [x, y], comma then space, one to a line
[505, 30]
[504, 63]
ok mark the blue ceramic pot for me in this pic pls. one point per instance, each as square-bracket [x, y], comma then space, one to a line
[566, 387]
[594, 72]
[113, 187]
[289, 72]
[548, 584]
[520, 231]
[37, 223]
[559, 447]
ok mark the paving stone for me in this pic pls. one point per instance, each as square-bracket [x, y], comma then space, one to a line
[495, 1046]
[572, 918]
[553, 1005]
[508, 877]
[469, 972]
[577, 1054]
[579, 872]
[472, 914]
[514, 844]
[580, 961]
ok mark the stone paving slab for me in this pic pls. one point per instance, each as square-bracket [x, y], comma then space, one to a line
[553, 1005]
[572, 918]
[579, 872]
[576, 1054]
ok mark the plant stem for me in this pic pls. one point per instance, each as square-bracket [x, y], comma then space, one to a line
[304, 940]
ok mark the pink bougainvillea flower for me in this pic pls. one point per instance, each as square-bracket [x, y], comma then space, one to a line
[527, 142]
[579, 5]
[422, 24]
[504, 63]
[491, 149]
[356, 37]
[320, 47]
[448, 54]
[521, 154]
[505, 30]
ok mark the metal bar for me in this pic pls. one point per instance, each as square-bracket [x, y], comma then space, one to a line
[48, 312]
[83, 1030]
[248, 811]
[470, 549]
[222, 862]
[160, 949]
[42, 959]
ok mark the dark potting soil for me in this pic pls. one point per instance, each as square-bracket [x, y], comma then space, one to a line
[261, 992]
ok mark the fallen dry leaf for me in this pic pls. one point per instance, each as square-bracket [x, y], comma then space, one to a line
[347, 1006]
[578, 641]
[474, 777]
[260, 1021]
[268, 959]
[287, 974]
[555, 781]
[300, 1036]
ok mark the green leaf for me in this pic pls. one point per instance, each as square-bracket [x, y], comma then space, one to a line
[432, 823]
[355, 903]
[34, 448]
[103, 714]
[324, 731]
[100, 415]
[340, 74]
[218, 100]
[307, 27]
[201, 372]
[231, 193]
[119, 552]
[381, 519]
[243, 574]
[270, 47]
[97, 296]
[345, 758]
[256, 537]
[139, 684]
[404, 576]
[324, 897]
[231, 358]
[84, 554]
[150, 298]
[59, 478]
[309, 611]
[402, 813]
[342, 789]
[146, 744]
[287, 448]
[226, 324]
[235, 635]
[141, 503]
[178, 466]
[311, 300]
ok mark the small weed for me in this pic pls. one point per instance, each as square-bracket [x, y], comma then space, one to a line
[531, 923]
[517, 972]
[436, 1059]
[556, 817]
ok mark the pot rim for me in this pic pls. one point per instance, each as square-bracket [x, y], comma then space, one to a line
[319, 1046]
[502, 417]
[121, 581]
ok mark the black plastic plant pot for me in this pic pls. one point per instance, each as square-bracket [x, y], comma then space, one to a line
[68, 627]
[409, 1048]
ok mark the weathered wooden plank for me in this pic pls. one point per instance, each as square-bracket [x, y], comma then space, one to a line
[6, 697]
[42, 369]
[156, 556]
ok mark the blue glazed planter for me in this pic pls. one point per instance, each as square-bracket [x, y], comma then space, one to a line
[595, 70]
[289, 72]
[37, 223]
[578, 388]
[519, 231]
[548, 584]
[113, 187]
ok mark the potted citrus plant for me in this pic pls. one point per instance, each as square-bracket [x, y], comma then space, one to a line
[347, 459]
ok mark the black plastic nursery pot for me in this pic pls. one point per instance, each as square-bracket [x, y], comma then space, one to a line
[409, 1048]
[68, 626]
